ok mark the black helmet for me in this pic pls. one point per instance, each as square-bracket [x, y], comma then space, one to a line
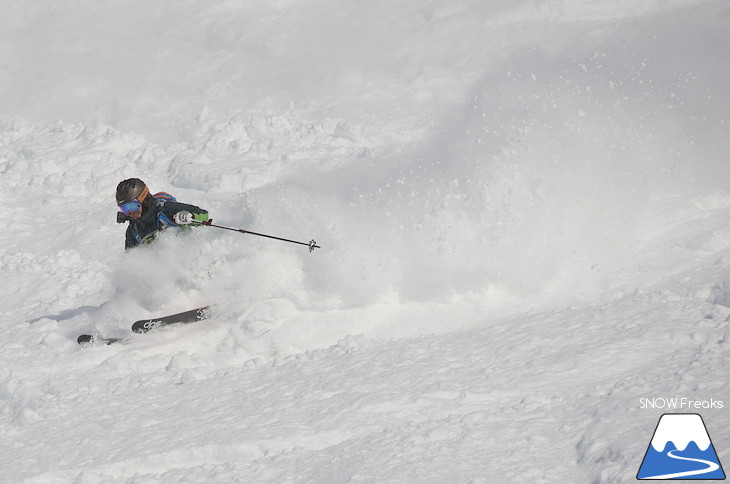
[131, 189]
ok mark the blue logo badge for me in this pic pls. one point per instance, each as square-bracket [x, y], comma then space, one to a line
[681, 449]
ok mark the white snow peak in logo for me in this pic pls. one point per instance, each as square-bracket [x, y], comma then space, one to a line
[681, 449]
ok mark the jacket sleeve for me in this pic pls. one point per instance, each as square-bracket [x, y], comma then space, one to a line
[129, 241]
[171, 208]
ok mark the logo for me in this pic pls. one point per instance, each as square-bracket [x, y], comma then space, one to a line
[681, 449]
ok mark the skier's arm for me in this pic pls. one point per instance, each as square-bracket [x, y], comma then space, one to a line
[129, 241]
[176, 211]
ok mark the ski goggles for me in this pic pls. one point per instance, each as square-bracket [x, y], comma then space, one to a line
[129, 207]
[134, 205]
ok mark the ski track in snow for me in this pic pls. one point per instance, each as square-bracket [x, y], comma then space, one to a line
[523, 214]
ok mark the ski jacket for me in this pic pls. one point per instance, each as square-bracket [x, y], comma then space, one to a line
[159, 217]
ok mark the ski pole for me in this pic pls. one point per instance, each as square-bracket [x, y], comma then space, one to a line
[311, 244]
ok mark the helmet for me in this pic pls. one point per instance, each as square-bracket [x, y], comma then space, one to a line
[131, 189]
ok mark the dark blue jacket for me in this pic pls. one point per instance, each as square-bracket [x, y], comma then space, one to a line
[159, 216]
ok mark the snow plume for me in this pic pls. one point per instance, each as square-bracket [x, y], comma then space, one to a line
[542, 183]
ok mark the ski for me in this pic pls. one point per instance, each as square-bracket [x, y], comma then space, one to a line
[192, 316]
[88, 339]
[145, 325]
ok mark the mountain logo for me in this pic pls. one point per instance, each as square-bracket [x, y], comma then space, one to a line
[681, 449]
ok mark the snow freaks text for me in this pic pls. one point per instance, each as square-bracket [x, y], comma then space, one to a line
[679, 403]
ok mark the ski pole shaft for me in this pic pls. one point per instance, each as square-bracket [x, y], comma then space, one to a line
[311, 244]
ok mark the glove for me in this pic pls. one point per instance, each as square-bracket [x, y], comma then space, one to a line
[183, 218]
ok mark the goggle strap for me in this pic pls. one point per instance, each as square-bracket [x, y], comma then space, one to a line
[143, 195]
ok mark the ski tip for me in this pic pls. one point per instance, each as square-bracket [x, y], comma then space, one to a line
[85, 339]
[89, 340]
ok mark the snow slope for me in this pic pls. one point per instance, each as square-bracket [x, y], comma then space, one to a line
[523, 213]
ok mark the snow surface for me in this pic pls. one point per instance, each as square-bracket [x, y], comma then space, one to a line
[523, 209]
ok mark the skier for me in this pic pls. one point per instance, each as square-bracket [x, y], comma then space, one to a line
[147, 213]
